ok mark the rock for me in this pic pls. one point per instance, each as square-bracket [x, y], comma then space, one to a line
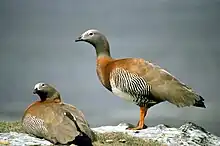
[109, 141]
[188, 134]
[21, 139]
[122, 140]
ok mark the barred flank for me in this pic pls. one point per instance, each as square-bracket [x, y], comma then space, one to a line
[133, 85]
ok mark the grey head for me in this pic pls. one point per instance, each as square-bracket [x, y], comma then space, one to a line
[91, 36]
[46, 91]
[97, 39]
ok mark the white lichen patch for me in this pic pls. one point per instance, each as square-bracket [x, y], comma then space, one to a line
[188, 134]
[21, 139]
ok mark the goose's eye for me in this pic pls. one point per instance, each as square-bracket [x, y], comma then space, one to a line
[90, 33]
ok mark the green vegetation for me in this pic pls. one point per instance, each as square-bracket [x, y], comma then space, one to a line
[10, 126]
[106, 139]
[121, 139]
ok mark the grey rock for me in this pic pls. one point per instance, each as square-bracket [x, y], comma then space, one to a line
[22, 139]
[188, 134]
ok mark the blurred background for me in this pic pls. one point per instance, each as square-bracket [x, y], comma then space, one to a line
[36, 45]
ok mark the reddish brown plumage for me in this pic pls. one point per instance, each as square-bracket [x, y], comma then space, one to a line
[163, 83]
[54, 120]
[137, 80]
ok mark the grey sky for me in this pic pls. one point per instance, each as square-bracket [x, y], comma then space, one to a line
[36, 44]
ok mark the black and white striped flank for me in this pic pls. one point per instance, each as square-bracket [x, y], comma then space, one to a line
[131, 87]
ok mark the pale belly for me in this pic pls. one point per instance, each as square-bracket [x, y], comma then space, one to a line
[122, 94]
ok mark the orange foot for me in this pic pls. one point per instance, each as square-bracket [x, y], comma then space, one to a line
[136, 128]
[140, 125]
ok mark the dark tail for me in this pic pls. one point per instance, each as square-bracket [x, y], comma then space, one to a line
[83, 140]
[200, 103]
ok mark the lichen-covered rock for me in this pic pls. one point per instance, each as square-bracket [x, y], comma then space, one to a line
[188, 134]
[21, 139]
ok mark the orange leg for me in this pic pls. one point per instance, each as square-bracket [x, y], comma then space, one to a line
[143, 112]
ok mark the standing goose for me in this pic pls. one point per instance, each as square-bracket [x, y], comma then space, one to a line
[54, 120]
[137, 80]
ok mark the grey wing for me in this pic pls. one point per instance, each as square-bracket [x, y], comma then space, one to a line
[133, 86]
[60, 127]
[52, 124]
[79, 119]
[166, 87]
[65, 131]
